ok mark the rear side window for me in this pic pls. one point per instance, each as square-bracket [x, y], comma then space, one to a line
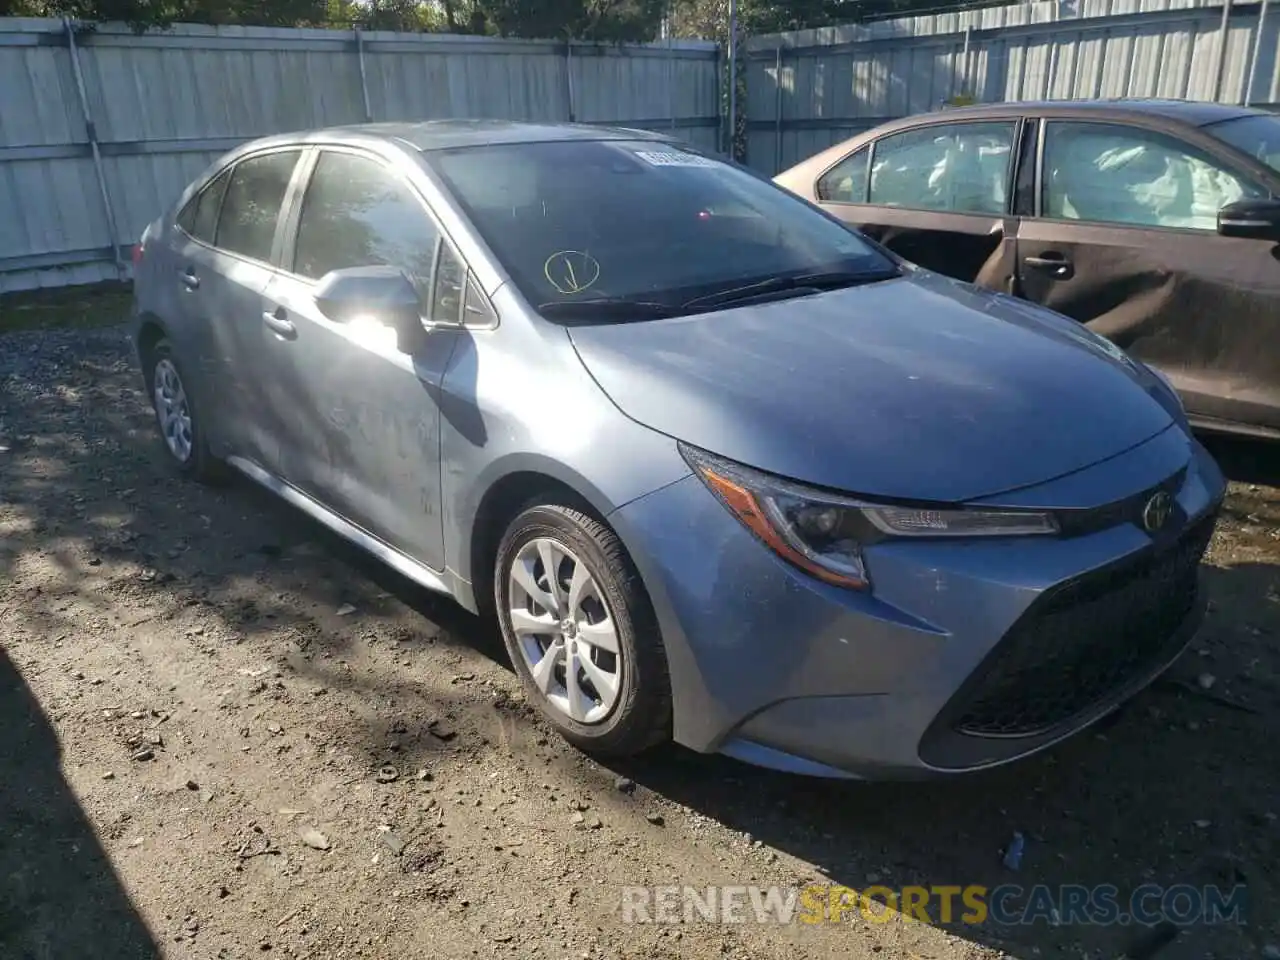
[846, 182]
[955, 167]
[205, 223]
[199, 217]
[186, 218]
[254, 195]
[357, 213]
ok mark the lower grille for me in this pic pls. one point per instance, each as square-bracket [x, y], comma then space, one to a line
[1083, 641]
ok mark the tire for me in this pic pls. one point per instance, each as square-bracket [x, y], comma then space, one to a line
[163, 371]
[638, 715]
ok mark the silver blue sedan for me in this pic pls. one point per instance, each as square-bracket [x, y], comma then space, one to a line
[724, 470]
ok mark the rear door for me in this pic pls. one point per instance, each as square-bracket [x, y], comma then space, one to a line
[223, 277]
[1126, 241]
[191, 260]
[936, 194]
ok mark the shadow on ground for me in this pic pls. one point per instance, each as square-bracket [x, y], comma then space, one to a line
[59, 896]
[85, 489]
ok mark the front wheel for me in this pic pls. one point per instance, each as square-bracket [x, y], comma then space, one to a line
[581, 632]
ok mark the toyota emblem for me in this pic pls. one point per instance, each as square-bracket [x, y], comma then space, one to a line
[1156, 513]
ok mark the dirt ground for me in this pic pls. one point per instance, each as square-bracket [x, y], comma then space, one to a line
[201, 688]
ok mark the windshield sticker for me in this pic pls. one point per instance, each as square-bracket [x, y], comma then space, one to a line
[672, 158]
[571, 271]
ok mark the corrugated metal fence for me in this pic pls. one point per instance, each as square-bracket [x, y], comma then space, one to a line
[811, 88]
[99, 130]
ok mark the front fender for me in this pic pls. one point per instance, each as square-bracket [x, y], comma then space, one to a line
[517, 405]
[604, 490]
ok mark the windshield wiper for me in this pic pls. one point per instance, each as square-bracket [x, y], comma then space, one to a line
[608, 310]
[619, 309]
[830, 280]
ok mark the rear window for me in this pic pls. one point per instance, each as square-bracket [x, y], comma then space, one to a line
[254, 195]
[639, 220]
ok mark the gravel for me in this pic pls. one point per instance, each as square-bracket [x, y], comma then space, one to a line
[184, 615]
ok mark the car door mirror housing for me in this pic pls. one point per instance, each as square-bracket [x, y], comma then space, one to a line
[383, 295]
[1251, 219]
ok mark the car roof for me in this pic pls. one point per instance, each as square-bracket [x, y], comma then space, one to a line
[1191, 112]
[429, 135]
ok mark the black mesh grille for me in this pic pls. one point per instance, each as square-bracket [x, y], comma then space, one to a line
[1083, 641]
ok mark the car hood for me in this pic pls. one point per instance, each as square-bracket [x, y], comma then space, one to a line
[914, 388]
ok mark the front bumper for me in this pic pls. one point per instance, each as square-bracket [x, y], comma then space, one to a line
[962, 656]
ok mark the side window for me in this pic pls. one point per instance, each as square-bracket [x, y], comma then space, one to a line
[1111, 173]
[186, 217]
[207, 206]
[451, 286]
[846, 182]
[356, 213]
[957, 167]
[476, 309]
[254, 195]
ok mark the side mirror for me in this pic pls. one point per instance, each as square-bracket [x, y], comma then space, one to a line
[1251, 219]
[383, 295]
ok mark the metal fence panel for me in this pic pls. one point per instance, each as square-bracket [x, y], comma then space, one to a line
[809, 89]
[164, 105]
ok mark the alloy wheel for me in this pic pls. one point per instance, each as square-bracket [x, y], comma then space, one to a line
[172, 410]
[565, 631]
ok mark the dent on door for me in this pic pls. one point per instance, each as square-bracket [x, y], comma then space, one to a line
[1124, 295]
[1204, 309]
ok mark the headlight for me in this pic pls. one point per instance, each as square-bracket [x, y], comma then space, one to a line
[823, 533]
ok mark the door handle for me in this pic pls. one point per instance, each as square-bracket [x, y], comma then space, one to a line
[189, 279]
[1052, 263]
[278, 320]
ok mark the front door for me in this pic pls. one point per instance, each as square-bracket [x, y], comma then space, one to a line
[1127, 243]
[362, 431]
[936, 195]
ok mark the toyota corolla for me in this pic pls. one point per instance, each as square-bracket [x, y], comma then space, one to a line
[725, 471]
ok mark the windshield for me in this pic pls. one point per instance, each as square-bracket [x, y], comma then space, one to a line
[644, 223]
[1258, 136]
